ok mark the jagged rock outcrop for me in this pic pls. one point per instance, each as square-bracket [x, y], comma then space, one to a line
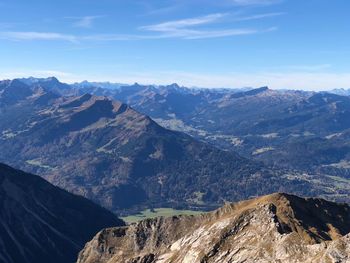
[274, 228]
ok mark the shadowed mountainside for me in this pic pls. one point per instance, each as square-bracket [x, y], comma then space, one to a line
[42, 223]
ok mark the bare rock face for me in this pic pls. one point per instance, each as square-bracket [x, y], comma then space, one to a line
[273, 228]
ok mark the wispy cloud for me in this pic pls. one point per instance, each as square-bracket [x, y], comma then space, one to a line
[84, 21]
[176, 4]
[53, 36]
[182, 34]
[184, 23]
[259, 16]
[254, 2]
[191, 28]
[218, 33]
[17, 36]
[185, 28]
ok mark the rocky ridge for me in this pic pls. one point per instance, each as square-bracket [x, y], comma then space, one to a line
[273, 228]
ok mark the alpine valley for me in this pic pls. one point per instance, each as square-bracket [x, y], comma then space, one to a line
[108, 152]
[87, 139]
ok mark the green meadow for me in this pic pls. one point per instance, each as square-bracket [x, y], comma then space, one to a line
[166, 212]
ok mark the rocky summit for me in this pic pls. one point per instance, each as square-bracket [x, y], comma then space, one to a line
[273, 228]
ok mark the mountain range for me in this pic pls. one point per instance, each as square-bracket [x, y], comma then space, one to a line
[41, 223]
[308, 131]
[108, 152]
[343, 92]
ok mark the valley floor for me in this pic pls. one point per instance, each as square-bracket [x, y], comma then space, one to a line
[166, 212]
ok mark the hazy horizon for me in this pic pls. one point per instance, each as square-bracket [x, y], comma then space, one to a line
[164, 84]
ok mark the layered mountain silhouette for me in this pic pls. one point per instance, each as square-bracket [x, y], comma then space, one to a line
[41, 223]
[300, 130]
[106, 151]
[307, 131]
[273, 228]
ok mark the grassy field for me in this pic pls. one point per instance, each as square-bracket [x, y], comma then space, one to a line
[166, 212]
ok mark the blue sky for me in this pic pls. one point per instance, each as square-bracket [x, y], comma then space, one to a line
[295, 44]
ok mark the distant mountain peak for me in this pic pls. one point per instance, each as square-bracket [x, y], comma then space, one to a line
[33, 80]
[104, 85]
[174, 85]
[248, 93]
[258, 90]
[52, 79]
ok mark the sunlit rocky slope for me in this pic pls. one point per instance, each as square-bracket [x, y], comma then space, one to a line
[273, 228]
